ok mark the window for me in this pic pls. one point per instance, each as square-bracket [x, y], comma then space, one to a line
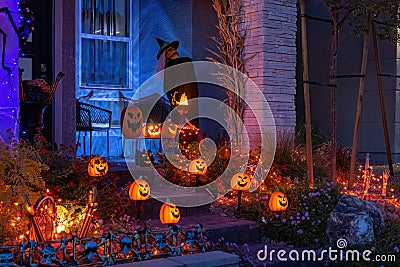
[104, 43]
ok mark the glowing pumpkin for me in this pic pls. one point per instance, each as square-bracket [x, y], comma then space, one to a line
[98, 167]
[131, 121]
[151, 130]
[198, 167]
[169, 130]
[278, 201]
[240, 181]
[139, 190]
[169, 214]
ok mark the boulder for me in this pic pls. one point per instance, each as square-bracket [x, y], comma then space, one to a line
[355, 220]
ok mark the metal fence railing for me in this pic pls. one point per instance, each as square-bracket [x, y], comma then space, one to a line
[106, 249]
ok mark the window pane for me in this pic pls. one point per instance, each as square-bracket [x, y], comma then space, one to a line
[106, 17]
[104, 63]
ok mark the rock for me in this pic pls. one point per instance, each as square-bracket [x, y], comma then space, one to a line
[355, 220]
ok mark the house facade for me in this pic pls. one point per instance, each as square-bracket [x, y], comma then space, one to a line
[270, 52]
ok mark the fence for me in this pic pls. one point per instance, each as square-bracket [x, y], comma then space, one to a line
[107, 249]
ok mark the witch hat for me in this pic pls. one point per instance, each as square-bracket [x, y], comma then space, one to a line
[163, 45]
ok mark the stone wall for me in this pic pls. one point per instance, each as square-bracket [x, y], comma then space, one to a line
[270, 52]
[9, 96]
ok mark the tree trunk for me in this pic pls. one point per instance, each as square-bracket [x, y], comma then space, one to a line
[306, 87]
[359, 100]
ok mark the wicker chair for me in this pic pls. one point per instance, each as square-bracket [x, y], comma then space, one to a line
[90, 119]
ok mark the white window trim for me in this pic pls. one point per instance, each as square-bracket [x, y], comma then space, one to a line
[133, 49]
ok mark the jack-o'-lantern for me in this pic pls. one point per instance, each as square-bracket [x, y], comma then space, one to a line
[139, 190]
[169, 130]
[169, 213]
[240, 181]
[198, 167]
[151, 130]
[278, 201]
[131, 121]
[98, 166]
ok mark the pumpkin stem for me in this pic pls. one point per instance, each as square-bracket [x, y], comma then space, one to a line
[277, 190]
[168, 200]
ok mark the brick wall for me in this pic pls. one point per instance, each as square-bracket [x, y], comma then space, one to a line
[270, 52]
[9, 96]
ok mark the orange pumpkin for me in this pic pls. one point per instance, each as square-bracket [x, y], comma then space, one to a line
[139, 190]
[151, 130]
[131, 121]
[169, 130]
[169, 214]
[278, 201]
[240, 181]
[98, 166]
[198, 167]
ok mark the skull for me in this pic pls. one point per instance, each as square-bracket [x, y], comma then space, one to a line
[161, 241]
[6, 258]
[190, 238]
[48, 255]
[126, 245]
[90, 249]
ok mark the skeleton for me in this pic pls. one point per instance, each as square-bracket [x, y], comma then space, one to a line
[126, 245]
[6, 259]
[161, 241]
[190, 238]
[91, 249]
[49, 255]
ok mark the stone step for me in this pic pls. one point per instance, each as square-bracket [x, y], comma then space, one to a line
[207, 259]
[216, 227]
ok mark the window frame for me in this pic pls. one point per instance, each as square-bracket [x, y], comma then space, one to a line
[131, 49]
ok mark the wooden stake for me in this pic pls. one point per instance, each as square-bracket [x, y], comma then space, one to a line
[382, 99]
[138, 209]
[332, 80]
[306, 87]
[239, 203]
[359, 101]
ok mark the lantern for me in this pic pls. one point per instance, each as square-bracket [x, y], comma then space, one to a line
[139, 190]
[278, 201]
[131, 121]
[240, 181]
[169, 130]
[198, 167]
[151, 130]
[169, 213]
[98, 166]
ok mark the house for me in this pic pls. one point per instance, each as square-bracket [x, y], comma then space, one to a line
[119, 55]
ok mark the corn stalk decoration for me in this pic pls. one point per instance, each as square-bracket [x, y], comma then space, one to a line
[230, 44]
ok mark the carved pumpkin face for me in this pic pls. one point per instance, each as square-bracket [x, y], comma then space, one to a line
[198, 166]
[240, 181]
[131, 121]
[139, 190]
[151, 130]
[278, 201]
[98, 167]
[169, 130]
[169, 214]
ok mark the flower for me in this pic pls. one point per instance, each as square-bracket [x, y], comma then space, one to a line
[37, 90]
[300, 231]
